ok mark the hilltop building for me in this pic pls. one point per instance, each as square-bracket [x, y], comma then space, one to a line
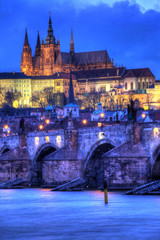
[94, 78]
[48, 58]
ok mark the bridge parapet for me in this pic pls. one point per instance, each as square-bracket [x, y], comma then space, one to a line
[36, 139]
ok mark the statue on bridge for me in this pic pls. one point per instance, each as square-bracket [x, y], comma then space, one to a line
[132, 112]
[21, 127]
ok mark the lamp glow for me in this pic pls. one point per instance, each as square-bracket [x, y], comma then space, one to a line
[84, 121]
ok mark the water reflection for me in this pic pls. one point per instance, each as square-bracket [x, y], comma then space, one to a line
[34, 214]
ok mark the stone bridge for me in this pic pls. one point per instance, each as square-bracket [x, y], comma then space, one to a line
[87, 148]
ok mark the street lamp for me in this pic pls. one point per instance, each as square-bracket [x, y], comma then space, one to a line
[84, 121]
[6, 126]
[102, 115]
[47, 121]
[6, 129]
[143, 115]
[40, 126]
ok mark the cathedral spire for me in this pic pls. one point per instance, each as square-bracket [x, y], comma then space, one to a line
[71, 92]
[38, 46]
[50, 38]
[26, 43]
[72, 43]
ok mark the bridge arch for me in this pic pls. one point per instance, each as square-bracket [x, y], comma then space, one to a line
[93, 166]
[43, 151]
[155, 172]
[5, 149]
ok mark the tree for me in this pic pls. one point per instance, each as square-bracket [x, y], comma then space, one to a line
[149, 100]
[91, 99]
[1, 96]
[11, 96]
[48, 94]
[38, 100]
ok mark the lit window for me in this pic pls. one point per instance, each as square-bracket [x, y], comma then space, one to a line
[36, 140]
[47, 139]
[156, 131]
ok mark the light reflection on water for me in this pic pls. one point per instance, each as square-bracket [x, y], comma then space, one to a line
[35, 214]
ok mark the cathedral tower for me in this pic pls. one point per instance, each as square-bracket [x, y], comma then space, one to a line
[38, 46]
[26, 58]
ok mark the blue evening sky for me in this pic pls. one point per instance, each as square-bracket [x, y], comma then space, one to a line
[128, 30]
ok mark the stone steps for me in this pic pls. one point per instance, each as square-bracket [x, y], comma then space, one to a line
[11, 183]
[72, 185]
[145, 189]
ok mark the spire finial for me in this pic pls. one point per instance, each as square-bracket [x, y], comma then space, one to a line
[26, 43]
[58, 40]
[72, 43]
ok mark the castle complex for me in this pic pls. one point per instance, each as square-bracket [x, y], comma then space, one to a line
[93, 73]
[48, 58]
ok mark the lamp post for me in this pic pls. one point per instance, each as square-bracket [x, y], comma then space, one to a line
[6, 129]
[40, 127]
[102, 115]
[47, 122]
[84, 121]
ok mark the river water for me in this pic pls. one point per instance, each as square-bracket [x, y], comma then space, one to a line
[39, 214]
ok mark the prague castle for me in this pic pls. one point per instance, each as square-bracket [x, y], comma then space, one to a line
[48, 59]
[92, 73]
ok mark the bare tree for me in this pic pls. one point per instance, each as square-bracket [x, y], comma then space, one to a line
[11, 96]
[38, 100]
[48, 94]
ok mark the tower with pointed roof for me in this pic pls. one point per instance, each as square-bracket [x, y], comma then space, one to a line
[38, 46]
[26, 58]
[71, 107]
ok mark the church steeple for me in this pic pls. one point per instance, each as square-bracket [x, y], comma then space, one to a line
[72, 43]
[50, 38]
[71, 92]
[38, 46]
[26, 43]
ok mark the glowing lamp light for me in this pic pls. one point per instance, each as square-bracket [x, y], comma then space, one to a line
[101, 135]
[6, 126]
[143, 115]
[58, 139]
[47, 121]
[47, 139]
[99, 124]
[84, 121]
[102, 115]
[36, 140]
[156, 131]
[40, 126]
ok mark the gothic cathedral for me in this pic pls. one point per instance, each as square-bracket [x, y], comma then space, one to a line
[48, 59]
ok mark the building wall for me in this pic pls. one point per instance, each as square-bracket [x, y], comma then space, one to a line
[29, 87]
